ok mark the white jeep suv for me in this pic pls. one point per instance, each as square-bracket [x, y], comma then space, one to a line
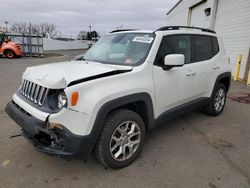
[123, 86]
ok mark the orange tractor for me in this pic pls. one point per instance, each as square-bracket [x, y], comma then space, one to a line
[9, 49]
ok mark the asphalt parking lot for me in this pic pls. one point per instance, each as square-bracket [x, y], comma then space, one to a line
[192, 151]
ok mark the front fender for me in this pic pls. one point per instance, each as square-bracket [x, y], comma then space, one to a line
[115, 104]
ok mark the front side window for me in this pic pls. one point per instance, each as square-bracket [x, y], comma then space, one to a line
[121, 48]
[174, 44]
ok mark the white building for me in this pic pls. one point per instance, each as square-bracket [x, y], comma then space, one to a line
[229, 18]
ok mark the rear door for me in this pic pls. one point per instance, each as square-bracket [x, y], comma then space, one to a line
[205, 65]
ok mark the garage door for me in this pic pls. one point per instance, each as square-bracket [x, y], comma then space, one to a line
[232, 23]
[198, 17]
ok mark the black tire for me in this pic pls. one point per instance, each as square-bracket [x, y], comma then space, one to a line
[10, 54]
[211, 108]
[103, 148]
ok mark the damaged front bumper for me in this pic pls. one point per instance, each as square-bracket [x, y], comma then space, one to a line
[57, 141]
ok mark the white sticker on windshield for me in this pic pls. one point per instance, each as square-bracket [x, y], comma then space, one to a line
[143, 39]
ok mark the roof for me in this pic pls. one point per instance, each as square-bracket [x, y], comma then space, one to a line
[131, 31]
[174, 6]
[176, 27]
[169, 29]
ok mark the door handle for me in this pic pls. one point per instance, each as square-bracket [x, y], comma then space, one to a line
[191, 73]
[215, 67]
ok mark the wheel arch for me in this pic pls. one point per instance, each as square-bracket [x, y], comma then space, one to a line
[141, 103]
[225, 79]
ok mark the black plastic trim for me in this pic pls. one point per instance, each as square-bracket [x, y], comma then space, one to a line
[111, 73]
[121, 30]
[168, 67]
[24, 119]
[59, 142]
[182, 109]
[185, 27]
[222, 76]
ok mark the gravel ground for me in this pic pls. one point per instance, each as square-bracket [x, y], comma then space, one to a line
[192, 151]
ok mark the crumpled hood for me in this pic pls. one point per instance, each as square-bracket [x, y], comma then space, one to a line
[60, 75]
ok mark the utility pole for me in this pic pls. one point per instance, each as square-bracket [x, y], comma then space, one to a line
[90, 32]
[30, 42]
[6, 24]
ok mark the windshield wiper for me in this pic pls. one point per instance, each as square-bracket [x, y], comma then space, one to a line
[79, 58]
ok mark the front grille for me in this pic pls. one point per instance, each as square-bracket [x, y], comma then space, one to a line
[34, 92]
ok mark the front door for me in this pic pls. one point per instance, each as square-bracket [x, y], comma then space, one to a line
[173, 87]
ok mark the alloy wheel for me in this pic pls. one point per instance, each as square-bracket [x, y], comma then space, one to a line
[125, 140]
[219, 100]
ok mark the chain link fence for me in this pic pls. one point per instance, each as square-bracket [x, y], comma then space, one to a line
[32, 45]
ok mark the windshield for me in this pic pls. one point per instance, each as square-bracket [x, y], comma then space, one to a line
[121, 48]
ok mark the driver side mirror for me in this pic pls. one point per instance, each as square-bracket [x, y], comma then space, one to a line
[173, 60]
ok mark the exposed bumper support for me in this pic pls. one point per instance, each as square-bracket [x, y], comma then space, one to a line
[59, 142]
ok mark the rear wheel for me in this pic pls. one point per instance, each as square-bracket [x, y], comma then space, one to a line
[10, 54]
[217, 101]
[121, 140]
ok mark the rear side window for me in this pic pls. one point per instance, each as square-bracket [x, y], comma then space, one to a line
[202, 49]
[215, 45]
[174, 44]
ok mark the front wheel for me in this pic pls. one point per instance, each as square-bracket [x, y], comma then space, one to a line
[217, 101]
[121, 139]
[9, 54]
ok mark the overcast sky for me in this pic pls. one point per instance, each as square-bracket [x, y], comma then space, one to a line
[75, 15]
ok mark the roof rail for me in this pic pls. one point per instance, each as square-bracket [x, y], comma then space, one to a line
[184, 27]
[120, 30]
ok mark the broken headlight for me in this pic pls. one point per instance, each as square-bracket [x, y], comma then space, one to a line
[62, 100]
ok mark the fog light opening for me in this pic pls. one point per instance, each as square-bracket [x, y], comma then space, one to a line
[54, 126]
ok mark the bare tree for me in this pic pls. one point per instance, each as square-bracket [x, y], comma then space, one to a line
[48, 30]
[44, 29]
[35, 29]
[20, 27]
[92, 35]
[82, 35]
